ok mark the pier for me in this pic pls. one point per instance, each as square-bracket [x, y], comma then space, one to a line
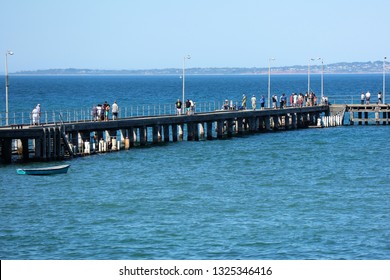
[59, 140]
[368, 114]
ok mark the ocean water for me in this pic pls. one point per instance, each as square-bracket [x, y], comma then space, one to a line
[302, 194]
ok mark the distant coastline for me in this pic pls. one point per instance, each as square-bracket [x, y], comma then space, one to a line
[370, 67]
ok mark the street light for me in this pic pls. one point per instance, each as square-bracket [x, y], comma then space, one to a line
[322, 79]
[269, 80]
[384, 79]
[6, 85]
[184, 67]
[308, 74]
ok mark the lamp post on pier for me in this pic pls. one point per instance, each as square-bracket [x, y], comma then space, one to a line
[269, 80]
[308, 74]
[322, 79]
[184, 67]
[384, 79]
[6, 85]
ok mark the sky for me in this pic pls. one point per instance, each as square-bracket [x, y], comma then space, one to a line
[151, 34]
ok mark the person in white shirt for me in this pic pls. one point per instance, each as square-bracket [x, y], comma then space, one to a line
[35, 116]
[362, 98]
[253, 100]
[368, 96]
[379, 97]
[115, 111]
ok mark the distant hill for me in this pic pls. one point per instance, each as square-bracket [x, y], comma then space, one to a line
[341, 67]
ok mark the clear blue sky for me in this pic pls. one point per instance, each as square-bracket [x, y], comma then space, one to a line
[144, 34]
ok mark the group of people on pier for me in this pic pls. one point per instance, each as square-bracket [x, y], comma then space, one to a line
[366, 97]
[102, 112]
[189, 108]
[294, 100]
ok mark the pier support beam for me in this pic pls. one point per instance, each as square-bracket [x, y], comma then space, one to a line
[201, 130]
[127, 143]
[351, 121]
[229, 127]
[25, 152]
[287, 124]
[166, 132]
[276, 122]
[196, 131]
[59, 153]
[191, 131]
[174, 133]
[81, 138]
[122, 135]
[181, 131]
[300, 123]
[220, 129]
[132, 135]
[294, 121]
[252, 124]
[267, 123]
[261, 123]
[209, 130]
[6, 150]
[143, 135]
[38, 148]
[240, 128]
[44, 145]
[156, 130]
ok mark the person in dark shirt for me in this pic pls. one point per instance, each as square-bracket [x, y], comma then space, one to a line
[178, 105]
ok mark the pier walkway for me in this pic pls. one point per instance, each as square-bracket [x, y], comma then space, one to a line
[56, 141]
[59, 140]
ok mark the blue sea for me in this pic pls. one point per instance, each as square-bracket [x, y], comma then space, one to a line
[301, 194]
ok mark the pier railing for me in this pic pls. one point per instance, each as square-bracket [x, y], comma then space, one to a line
[341, 99]
[85, 114]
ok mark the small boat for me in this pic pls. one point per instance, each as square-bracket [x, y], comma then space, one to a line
[59, 169]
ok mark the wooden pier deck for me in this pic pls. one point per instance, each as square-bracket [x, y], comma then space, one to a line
[368, 114]
[57, 141]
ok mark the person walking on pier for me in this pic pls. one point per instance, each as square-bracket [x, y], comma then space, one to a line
[306, 98]
[283, 101]
[243, 102]
[100, 115]
[106, 111]
[368, 96]
[39, 113]
[300, 100]
[253, 100]
[380, 97]
[115, 110]
[295, 100]
[178, 105]
[274, 101]
[94, 113]
[292, 99]
[262, 102]
[311, 99]
[192, 107]
[103, 111]
[362, 98]
[35, 116]
[188, 106]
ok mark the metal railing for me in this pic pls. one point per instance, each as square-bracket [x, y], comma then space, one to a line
[85, 114]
